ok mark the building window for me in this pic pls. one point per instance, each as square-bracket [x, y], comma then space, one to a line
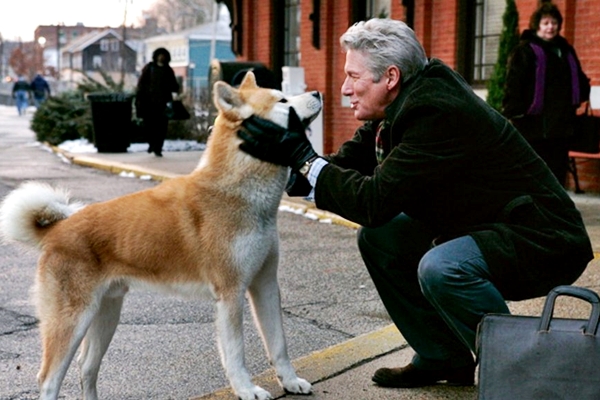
[378, 8]
[104, 45]
[364, 10]
[291, 57]
[97, 62]
[488, 27]
[114, 45]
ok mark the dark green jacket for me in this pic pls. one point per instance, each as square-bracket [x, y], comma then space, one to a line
[456, 164]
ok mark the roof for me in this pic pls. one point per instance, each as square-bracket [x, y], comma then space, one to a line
[89, 39]
[199, 32]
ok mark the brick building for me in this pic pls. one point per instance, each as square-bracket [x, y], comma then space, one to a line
[462, 33]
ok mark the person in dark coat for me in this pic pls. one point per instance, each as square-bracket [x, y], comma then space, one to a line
[40, 90]
[20, 92]
[544, 87]
[458, 213]
[155, 89]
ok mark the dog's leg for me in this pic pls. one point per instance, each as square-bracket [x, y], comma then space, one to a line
[97, 340]
[62, 331]
[266, 307]
[230, 335]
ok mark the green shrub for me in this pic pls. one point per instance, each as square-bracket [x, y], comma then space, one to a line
[509, 38]
[63, 117]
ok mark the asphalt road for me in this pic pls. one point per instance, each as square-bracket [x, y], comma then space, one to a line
[165, 347]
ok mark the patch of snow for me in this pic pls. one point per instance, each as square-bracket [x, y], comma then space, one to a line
[84, 146]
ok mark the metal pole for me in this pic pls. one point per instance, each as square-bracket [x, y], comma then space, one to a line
[213, 41]
[1, 57]
[57, 52]
[123, 50]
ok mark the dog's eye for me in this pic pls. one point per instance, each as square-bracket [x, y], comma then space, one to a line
[284, 100]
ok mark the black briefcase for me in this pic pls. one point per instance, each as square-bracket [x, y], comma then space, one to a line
[543, 358]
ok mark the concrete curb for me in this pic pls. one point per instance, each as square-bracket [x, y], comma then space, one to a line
[112, 166]
[328, 363]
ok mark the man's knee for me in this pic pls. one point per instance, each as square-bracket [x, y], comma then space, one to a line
[435, 274]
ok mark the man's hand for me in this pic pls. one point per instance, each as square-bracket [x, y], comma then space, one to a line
[269, 142]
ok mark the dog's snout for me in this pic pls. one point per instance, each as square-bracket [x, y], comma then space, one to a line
[316, 94]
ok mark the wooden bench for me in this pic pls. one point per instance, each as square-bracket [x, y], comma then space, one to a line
[573, 155]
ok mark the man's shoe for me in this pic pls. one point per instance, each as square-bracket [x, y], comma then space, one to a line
[412, 377]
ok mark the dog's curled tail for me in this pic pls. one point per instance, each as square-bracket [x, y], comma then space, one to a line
[33, 206]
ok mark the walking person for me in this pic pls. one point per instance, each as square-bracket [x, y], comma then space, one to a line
[155, 89]
[40, 90]
[458, 214]
[20, 92]
[544, 87]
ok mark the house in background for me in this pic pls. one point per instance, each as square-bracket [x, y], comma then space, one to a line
[462, 33]
[53, 39]
[192, 51]
[103, 50]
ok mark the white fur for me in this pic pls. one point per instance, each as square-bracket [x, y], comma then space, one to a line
[33, 201]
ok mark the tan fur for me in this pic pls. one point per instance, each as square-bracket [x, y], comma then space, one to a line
[210, 232]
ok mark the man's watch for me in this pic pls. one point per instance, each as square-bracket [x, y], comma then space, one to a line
[305, 168]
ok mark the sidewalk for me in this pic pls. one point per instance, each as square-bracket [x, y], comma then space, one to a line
[344, 371]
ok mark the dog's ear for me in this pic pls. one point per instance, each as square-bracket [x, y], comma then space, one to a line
[225, 97]
[249, 81]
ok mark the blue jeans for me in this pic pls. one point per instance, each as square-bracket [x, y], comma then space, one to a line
[38, 101]
[22, 101]
[436, 295]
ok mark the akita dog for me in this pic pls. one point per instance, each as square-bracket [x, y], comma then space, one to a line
[212, 232]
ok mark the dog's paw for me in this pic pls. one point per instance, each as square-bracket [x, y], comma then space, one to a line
[254, 393]
[297, 386]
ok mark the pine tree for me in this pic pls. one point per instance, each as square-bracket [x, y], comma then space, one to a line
[509, 38]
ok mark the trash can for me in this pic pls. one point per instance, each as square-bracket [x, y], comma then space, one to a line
[111, 119]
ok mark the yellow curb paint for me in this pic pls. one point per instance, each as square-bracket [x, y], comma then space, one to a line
[324, 364]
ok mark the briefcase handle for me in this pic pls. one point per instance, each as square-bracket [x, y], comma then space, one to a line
[573, 291]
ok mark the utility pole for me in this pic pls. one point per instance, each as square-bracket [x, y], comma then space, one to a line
[58, 52]
[124, 38]
[1, 57]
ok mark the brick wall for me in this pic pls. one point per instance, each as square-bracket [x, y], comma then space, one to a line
[435, 25]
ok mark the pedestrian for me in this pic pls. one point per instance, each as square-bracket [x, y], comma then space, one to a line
[20, 92]
[544, 87]
[155, 89]
[458, 214]
[40, 90]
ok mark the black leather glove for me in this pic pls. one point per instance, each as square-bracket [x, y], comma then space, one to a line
[270, 142]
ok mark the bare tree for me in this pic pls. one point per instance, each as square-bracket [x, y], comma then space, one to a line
[177, 15]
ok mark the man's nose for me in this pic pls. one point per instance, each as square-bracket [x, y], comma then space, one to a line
[346, 88]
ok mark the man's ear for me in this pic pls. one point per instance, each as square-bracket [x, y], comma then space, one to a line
[393, 75]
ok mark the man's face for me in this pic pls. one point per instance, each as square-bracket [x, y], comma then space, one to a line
[548, 28]
[368, 99]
